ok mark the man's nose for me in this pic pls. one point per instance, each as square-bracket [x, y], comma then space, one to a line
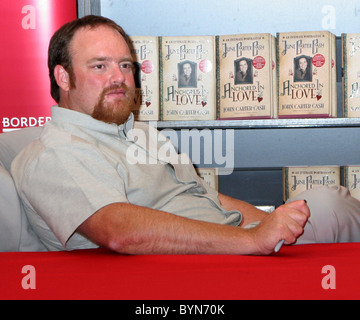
[117, 76]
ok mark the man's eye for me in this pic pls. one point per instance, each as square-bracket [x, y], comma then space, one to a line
[99, 66]
[126, 67]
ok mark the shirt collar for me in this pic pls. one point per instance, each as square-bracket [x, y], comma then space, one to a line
[63, 115]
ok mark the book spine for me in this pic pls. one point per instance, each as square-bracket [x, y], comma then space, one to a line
[343, 76]
[161, 79]
[217, 39]
[277, 72]
[286, 191]
[274, 92]
[333, 78]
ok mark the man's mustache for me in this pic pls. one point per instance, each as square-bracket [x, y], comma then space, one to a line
[113, 87]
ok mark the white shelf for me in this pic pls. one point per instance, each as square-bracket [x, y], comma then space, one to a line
[263, 123]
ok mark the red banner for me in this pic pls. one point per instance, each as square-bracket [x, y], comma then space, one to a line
[26, 27]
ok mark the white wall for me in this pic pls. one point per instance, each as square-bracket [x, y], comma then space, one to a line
[213, 17]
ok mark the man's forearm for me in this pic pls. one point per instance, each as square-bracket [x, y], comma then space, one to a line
[131, 229]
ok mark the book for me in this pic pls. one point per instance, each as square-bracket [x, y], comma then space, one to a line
[306, 74]
[352, 180]
[210, 176]
[297, 179]
[246, 73]
[188, 78]
[350, 43]
[145, 51]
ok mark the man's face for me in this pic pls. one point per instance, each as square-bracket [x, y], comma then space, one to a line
[103, 71]
[243, 66]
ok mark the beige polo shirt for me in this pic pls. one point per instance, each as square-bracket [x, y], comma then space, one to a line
[79, 165]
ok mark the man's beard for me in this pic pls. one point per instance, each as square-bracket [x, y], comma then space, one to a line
[117, 111]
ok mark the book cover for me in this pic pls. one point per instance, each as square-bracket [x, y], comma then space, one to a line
[145, 51]
[352, 180]
[351, 74]
[188, 78]
[334, 112]
[297, 179]
[306, 74]
[246, 74]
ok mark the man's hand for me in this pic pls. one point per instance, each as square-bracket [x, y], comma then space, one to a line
[286, 223]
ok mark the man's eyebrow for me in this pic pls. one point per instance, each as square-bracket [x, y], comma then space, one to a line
[101, 59]
[97, 59]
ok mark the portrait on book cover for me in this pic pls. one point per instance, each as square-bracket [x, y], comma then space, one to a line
[303, 69]
[243, 71]
[187, 74]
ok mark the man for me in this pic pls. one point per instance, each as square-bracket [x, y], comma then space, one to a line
[81, 189]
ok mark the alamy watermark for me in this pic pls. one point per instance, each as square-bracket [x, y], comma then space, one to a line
[209, 147]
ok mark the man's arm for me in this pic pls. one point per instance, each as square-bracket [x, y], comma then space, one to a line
[131, 229]
[249, 212]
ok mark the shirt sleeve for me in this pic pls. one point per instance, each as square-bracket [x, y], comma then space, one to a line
[67, 183]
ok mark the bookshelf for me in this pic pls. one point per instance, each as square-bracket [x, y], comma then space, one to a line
[261, 147]
[264, 123]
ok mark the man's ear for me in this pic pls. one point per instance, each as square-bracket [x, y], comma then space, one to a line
[62, 77]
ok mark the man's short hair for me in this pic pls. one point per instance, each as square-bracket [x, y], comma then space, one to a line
[59, 46]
